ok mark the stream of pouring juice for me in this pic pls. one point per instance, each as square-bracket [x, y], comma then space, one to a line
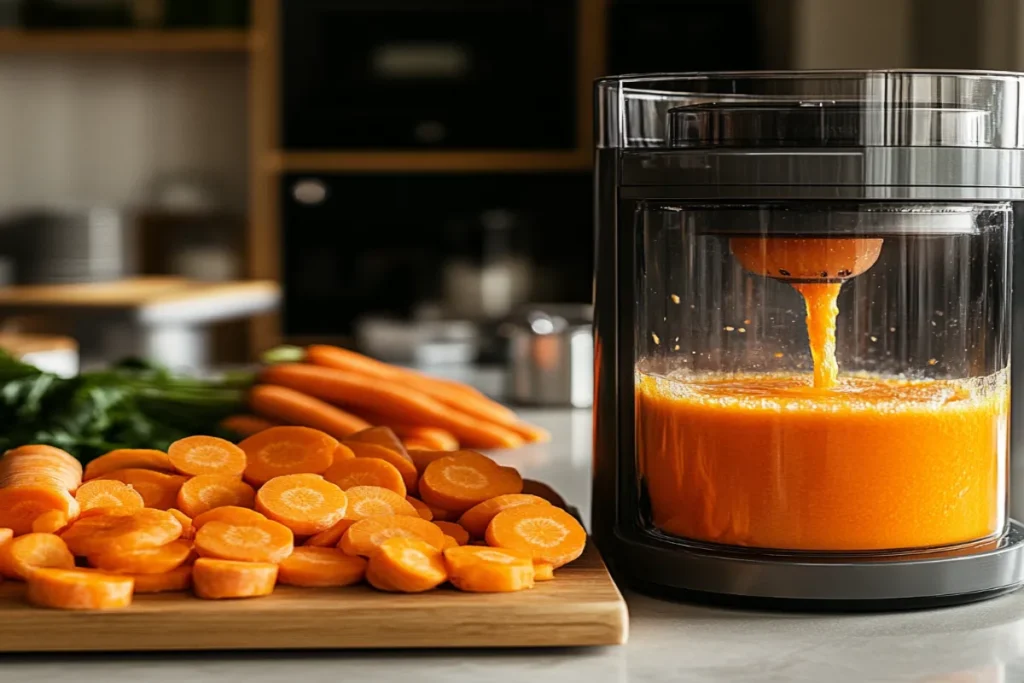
[855, 463]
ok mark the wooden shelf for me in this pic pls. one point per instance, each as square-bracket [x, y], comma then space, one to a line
[417, 161]
[126, 40]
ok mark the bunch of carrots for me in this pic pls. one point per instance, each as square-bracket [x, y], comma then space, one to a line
[290, 505]
[341, 392]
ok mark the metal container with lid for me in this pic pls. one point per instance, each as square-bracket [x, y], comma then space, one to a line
[551, 356]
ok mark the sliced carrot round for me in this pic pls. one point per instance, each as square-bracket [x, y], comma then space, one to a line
[21, 505]
[350, 472]
[547, 533]
[146, 561]
[314, 566]
[381, 436]
[365, 536]
[187, 531]
[421, 508]
[196, 455]
[463, 479]
[329, 538]
[205, 492]
[399, 461]
[25, 554]
[454, 530]
[489, 570]
[51, 522]
[406, 565]
[449, 542]
[422, 458]
[128, 458]
[177, 579]
[441, 515]
[543, 571]
[79, 589]
[219, 579]
[108, 493]
[230, 514]
[476, 519]
[305, 503]
[375, 501]
[146, 528]
[158, 490]
[279, 451]
[260, 540]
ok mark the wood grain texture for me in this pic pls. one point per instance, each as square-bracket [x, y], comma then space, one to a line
[130, 293]
[580, 607]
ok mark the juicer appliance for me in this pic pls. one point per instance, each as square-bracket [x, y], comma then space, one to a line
[802, 335]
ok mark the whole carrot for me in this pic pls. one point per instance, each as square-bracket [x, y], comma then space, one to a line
[292, 407]
[393, 400]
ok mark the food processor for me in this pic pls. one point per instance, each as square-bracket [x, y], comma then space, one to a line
[802, 335]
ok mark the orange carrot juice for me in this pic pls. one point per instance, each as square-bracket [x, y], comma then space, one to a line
[828, 463]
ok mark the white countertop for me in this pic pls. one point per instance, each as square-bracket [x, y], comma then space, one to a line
[981, 643]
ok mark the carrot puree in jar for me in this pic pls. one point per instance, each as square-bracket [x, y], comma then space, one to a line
[827, 463]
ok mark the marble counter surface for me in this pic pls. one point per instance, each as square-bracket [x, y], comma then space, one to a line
[982, 643]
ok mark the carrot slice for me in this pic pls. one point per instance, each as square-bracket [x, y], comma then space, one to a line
[543, 571]
[463, 479]
[329, 538]
[431, 438]
[21, 505]
[177, 579]
[547, 533]
[350, 472]
[128, 458]
[219, 579]
[476, 519]
[147, 528]
[365, 536]
[230, 514]
[454, 530]
[206, 455]
[187, 531]
[489, 570]
[423, 458]
[542, 490]
[294, 407]
[79, 589]
[376, 501]
[442, 515]
[314, 566]
[259, 540]
[421, 508]
[406, 565]
[145, 561]
[399, 461]
[247, 425]
[158, 490]
[51, 522]
[25, 554]
[279, 451]
[305, 503]
[449, 542]
[35, 479]
[108, 493]
[381, 436]
[205, 492]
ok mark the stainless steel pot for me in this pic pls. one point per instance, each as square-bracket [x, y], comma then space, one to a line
[551, 356]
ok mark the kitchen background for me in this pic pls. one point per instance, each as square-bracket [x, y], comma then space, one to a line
[201, 180]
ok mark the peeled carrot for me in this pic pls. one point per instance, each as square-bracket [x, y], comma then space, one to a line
[230, 514]
[543, 571]
[313, 566]
[108, 493]
[158, 490]
[400, 402]
[489, 570]
[365, 536]
[35, 479]
[205, 492]
[25, 554]
[454, 530]
[79, 589]
[147, 528]
[51, 522]
[177, 579]
[399, 461]
[416, 444]
[247, 425]
[187, 530]
[463, 479]
[407, 565]
[287, 450]
[195, 455]
[546, 533]
[295, 407]
[305, 503]
[157, 560]
[219, 579]
[253, 541]
[351, 472]
[128, 458]
[421, 508]
[433, 438]
[476, 519]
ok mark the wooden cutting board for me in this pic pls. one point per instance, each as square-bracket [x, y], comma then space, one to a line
[580, 607]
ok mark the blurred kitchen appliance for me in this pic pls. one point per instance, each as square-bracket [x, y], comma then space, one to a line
[550, 356]
[429, 74]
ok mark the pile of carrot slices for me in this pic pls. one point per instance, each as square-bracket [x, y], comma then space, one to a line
[289, 505]
[341, 392]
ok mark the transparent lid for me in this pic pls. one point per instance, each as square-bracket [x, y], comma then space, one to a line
[812, 109]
